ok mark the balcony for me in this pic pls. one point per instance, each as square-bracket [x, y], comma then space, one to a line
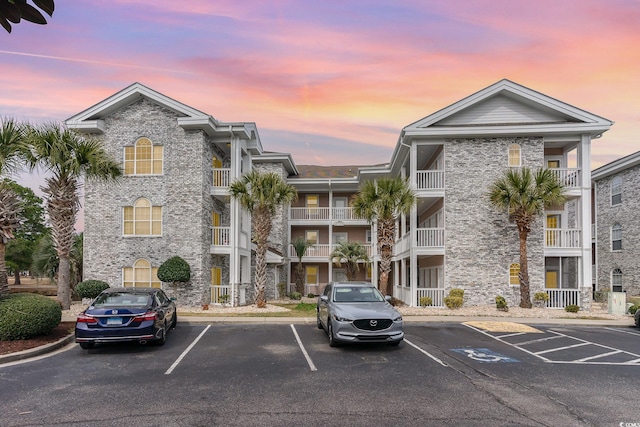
[569, 177]
[221, 181]
[430, 180]
[562, 238]
[430, 238]
[220, 242]
[325, 214]
[321, 251]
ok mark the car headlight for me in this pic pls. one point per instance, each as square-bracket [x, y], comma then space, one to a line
[398, 319]
[342, 319]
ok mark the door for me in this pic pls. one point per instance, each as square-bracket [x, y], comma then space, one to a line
[340, 205]
[553, 235]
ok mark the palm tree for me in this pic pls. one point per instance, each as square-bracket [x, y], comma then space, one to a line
[300, 245]
[67, 156]
[11, 151]
[261, 194]
[351, 254]
[524, 195]
[383, 201]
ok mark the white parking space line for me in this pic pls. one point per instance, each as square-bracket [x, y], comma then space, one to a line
[426, 353]
[562, 348]
[306, 355]
[623, 331]
[539, 340]
[599, 356]
[187, 350]
[512, 335]
[506, 342]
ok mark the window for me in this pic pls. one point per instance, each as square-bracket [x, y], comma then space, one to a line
[514, 272]
[616, 191]
[142, 219]
[311, 275]
[616, 280]
[367, 236]
[311, 236]
[616, 237]
[143, 158]
[340, 238]
[514, 155]
[312, 203]
[141, 275]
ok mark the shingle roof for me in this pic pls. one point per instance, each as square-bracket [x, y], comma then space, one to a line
[314, 171]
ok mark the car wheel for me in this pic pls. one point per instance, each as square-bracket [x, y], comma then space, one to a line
[318, 322]
[638, 321]
[174, 322]
[332, 340]
[87, 345]
[396, 343]
[163, 337]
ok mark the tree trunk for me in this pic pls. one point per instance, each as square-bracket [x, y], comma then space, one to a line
[261, 228]
[300, 278]
[525, 291]
[385, 268]
[4, 282]
[16, 277]
[64, 290]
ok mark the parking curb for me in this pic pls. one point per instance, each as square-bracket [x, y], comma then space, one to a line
[36, 351]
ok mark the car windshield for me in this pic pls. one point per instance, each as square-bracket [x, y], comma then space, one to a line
[357, 294]
[122, 299]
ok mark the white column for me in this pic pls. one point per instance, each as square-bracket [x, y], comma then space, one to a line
[584, 157]
[413, 258]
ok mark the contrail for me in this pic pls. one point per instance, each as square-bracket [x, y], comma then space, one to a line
[89, 61]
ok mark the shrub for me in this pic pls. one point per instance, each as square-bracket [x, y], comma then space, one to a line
[456, 292]
[396, 302]
[572, 308]
[311, 295]
[282, 289]
[425, 301]
[453, 301]
[295, 295]
[174, 270]
[224, 299]
[91, 288]
[633, 309]
[541, 296]
[23, 316]
[501, 303]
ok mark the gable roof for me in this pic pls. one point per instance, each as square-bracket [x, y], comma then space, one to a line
[507, 108]
[91, 120]
[616, 166]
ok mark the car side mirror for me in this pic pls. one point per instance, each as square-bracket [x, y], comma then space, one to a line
[324, 298]
[172, 299]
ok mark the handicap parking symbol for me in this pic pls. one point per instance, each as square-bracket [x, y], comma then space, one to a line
[484, 355]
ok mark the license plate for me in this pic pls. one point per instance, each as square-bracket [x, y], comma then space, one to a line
[114, 320]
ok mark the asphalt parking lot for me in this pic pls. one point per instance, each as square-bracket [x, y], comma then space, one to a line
[496, 373]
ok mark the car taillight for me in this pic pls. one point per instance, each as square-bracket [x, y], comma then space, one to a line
[143, 317]
[83, 318]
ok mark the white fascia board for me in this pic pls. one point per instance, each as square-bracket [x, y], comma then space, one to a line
[89, 126]
[616, 166]
[538, 129]
[284, 158]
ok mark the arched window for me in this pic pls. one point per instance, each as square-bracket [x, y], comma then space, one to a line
[616, 280]
[616, 191]
[514, 155]
[514, 271]
[143, 158]
[142, 219]
[142, 274]
[616, 237]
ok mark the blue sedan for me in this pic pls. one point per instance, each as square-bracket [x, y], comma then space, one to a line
[126, 314]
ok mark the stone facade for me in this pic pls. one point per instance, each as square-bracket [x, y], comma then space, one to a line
[625, 214]
[477, 231]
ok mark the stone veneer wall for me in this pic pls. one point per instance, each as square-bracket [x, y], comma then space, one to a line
[182, 191]
[481, 243]
[625, 214]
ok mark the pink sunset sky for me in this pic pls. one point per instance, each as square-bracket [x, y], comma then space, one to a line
[331, 82]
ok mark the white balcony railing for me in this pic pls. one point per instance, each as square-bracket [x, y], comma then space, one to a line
[430, 237]
[560, 298]
[430, 180]
[323, 250]
[562, 238]
[220, 236]
[436, 295]
[221, 294]
[221, 177]
[569, 177]
[309, 214]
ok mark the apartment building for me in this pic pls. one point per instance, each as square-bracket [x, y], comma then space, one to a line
[616, 200]
[178, 162]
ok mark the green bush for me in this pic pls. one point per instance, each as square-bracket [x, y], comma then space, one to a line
[572, 308]
[453, 301]
[174, 270]
[295, 295]
[90, 288]
[633, 309]
[426, 301]
[23, 316]
[541, 296]
[456, 292]
[282, 289]
[501, 303]
[311, 295]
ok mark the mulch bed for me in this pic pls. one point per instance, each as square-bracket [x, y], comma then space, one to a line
[61, 331]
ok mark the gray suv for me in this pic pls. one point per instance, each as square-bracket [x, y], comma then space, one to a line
[357, 312]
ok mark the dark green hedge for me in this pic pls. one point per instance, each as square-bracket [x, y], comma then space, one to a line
[174, 270]
[23, 316]
[90, 288]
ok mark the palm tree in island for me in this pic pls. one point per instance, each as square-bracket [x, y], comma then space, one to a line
[67, 157]
[300, 246]
[383, 201]
[524, 195]
[261, 193]
[351, 255]
[11, 151]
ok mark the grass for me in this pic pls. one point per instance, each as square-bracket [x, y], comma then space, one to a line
[301, 309]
